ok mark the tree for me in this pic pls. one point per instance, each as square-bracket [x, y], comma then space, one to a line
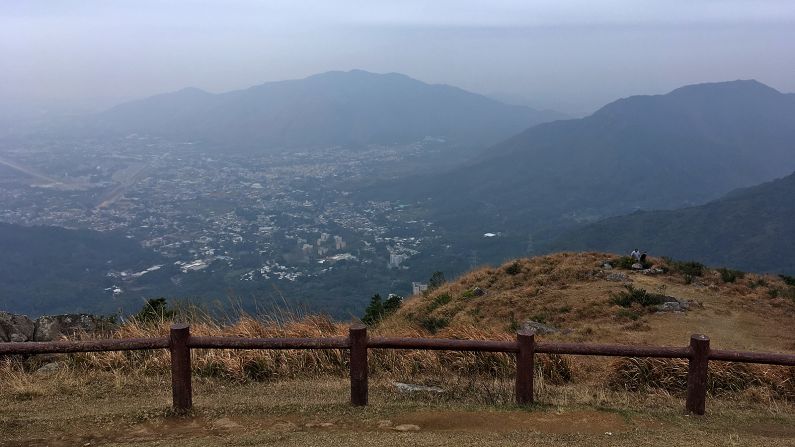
[392, 304]
[436, 281]
[377, 310]
[154, 310]
[374, 311]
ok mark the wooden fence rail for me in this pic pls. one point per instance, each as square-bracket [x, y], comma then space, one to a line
[180, 342]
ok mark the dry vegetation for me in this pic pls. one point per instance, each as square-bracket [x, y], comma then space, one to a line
[571, 292]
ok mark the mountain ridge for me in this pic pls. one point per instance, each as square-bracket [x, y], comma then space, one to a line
[333, 108]
[653, 152]
[748, 228]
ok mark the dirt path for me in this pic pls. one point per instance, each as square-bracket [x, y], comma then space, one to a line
[420, 424]
[316, 412]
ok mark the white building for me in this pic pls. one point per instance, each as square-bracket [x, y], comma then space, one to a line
[418, 287]
[396, 259]
[339, 244]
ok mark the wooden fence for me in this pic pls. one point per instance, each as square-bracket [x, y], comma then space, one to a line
[180, 342]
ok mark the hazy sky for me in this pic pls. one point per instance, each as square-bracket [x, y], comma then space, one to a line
[569, 55]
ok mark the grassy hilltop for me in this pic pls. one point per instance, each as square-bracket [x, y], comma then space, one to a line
[299, 397]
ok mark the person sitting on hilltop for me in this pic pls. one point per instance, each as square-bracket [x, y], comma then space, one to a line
[635, 254]
[642, 258]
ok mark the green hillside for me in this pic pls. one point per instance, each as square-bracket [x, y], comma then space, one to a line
[56, 270]
[749, 229]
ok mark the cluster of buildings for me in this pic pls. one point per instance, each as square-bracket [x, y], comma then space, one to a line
[279, 216]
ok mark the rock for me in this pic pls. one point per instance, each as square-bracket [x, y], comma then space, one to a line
[538, 328]
[617, 277]
[49, 368]
[477, 291]
[653, 271]
[16, 328]
[406, 427]
[607, 266]
[637, 266]
[53, 327]
[410, 388]
[673, 305]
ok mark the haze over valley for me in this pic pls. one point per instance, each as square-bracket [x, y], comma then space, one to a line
[469, 141]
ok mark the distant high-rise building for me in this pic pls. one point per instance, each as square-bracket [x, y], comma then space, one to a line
[417, 288]
[339, 244]
[396, 259]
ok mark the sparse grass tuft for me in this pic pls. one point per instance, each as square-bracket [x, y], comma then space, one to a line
[631, 295]
[670, 375]
[513, 268]
[686, 268]
[729, 275]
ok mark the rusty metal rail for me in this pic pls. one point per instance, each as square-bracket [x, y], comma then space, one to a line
[180, 343]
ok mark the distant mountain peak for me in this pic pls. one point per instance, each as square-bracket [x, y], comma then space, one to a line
[195, 90]
[354, 107]
[726, 87]
[720, 95]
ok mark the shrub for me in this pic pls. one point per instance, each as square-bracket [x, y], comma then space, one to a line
[729, 275]
[433, 325]
[378, 310]
[789, 280]
[632, 295]
[439, 301]
[691, 268]
[624, 262]
[513, 269]
[628, 314]
[155, 310]
[761, 282]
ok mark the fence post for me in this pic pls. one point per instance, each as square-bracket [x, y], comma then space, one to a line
[181, 388]
[697, 374]
[358, 340]
[525, 367]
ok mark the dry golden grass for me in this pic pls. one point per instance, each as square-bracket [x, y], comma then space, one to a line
[571, 291]
[259, 365]
[670, 375]
[568, 290]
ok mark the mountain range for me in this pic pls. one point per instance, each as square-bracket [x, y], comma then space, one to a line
[328, 109]
[748, 229]
[679, 149]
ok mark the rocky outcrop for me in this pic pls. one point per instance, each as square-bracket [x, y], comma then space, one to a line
[53, 327]
[538, 327]
[18, 328]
